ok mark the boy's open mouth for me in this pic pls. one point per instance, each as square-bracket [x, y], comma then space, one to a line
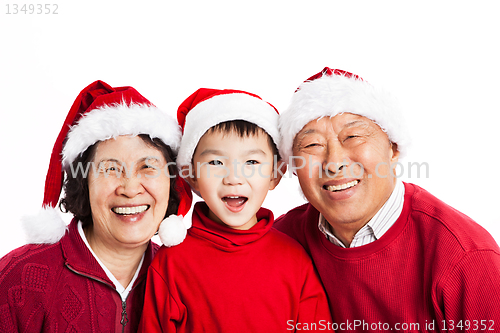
[234, 201]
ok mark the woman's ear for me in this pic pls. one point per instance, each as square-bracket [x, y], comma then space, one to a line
[278, 172]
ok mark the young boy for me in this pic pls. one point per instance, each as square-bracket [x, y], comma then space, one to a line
[233, 272]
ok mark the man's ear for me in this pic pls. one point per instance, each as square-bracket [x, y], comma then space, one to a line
[395, 153]
[189, 176]
[394, 157]
[278, 172]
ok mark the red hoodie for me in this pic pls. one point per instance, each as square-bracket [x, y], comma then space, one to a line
[225, 280]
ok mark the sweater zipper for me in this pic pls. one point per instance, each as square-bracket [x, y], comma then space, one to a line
[124, 319]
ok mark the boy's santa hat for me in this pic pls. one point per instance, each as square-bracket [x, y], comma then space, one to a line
[334, 91]
[101, 112]
[206, 108]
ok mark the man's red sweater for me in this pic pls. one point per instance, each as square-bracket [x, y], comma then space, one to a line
[225, 280]
[434, 269]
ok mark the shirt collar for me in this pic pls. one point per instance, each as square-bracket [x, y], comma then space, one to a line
[377, 226]
[119, 288]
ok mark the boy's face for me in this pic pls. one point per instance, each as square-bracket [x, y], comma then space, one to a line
[233, 175]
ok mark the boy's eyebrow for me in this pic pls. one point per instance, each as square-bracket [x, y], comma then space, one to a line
[212, 152]
[255, 151]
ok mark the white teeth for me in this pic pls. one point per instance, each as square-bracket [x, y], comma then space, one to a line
[333, 188]
[130, 210]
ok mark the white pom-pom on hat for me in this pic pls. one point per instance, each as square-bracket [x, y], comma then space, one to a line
[47, 227]
[173, 230]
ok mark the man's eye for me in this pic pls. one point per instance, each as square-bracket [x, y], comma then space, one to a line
[215, 162]
[351, 137]
[311, 145]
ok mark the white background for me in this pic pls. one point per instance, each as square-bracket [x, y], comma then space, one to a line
[440, 58]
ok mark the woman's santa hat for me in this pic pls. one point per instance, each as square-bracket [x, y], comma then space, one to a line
[206, 108]
[334, 91]
[101, 112]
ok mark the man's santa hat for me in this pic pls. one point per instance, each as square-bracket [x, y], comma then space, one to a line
[334, 91]
[206, 108]
[101, 112]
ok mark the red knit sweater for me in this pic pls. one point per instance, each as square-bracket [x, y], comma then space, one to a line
[62, 288]
[434, 266]
[225, 280]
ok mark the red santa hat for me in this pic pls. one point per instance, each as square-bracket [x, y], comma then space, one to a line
[334, 91]
[206, 108]
[101, 112]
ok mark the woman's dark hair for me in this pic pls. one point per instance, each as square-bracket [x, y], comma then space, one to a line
[76, 189]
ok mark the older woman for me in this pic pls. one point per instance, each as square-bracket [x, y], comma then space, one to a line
[120, 184]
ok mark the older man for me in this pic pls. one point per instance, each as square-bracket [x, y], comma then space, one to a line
[390, 255]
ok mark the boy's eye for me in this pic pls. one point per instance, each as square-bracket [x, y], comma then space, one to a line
[215, 162]
[252, 162]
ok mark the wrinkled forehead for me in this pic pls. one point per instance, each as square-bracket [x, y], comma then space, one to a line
[126, 148]
[337, 123]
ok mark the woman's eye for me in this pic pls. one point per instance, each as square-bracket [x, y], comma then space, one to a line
[252, 162]
[311, 145]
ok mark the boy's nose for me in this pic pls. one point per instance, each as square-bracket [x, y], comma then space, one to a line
[232, 177]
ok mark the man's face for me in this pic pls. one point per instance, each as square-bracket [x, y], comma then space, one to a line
[345, 165]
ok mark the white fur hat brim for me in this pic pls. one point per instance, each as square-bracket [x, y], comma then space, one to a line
[221, 108]
[113, 120]
[331, 95]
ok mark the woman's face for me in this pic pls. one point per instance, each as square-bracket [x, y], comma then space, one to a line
[128, 190]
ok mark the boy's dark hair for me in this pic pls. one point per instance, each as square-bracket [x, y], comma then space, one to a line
[244, 128]
[76, 189]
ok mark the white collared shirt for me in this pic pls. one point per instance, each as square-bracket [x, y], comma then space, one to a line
[377, 226]
[119, 288]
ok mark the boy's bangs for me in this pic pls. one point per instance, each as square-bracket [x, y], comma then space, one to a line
[243, 129]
